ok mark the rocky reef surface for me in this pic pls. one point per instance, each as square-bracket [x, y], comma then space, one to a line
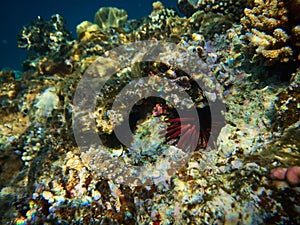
[239, 65]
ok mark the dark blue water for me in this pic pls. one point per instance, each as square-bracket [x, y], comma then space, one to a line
[15, 14]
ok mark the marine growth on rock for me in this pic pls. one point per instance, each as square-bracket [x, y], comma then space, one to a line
[168, 119]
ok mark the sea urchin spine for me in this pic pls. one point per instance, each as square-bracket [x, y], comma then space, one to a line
[188, 133]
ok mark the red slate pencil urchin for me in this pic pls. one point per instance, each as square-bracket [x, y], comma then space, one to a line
[186, 134]
[190, 131]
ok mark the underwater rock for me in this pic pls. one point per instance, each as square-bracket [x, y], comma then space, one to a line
[12, 122]
[288, 104]
[10, 165]
[9, 88]
[7, 76]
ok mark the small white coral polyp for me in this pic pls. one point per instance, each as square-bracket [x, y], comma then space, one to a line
[46, 102]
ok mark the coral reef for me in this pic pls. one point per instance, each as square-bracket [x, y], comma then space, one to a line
[109, 17]
[243, 170]
[288, 104]
[273, 30]
[226, 7]
[86, 26]
[161, 19]
[49, 40]
[45, 36]
[174, 27]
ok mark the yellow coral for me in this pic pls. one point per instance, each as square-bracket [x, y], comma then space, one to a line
[86, 26]
[283, 53]
[269, 30]
[107, 17]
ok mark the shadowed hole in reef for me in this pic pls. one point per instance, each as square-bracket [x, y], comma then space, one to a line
[139, 112]
[145, 108]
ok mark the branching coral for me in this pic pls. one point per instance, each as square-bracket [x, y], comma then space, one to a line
[273, 30]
